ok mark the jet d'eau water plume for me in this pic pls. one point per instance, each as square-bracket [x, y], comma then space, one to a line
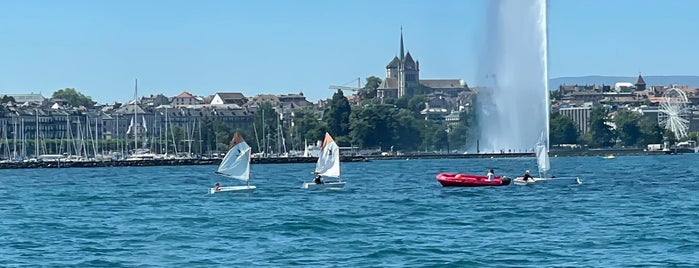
[513, 108]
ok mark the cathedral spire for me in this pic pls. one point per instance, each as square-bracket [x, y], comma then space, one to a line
[402, 55]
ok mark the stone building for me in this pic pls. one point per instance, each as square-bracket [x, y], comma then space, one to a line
[403, 78]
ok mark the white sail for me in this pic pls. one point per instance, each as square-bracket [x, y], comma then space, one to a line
[128, 131]
[329, 159]
[542, 159]
[236, 163]
[542, 156]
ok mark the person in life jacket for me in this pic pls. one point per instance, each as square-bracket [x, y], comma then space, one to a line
[318, 179]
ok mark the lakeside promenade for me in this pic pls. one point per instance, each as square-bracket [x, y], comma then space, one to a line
[289, 160]
[163, 162]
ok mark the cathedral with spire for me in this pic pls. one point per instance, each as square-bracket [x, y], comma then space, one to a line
[403, 77]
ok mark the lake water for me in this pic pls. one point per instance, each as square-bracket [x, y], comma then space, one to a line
[638, 211]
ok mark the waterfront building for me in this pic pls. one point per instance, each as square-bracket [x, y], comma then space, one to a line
[640, 83]
[185, 99]
[34, 99]
[580, 115]
[222, 98]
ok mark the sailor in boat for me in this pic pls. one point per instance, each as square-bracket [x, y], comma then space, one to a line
[218, 187]
[491, 175]
[318, 179]
[526, 176]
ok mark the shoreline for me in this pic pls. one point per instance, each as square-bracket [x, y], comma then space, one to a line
[555, 153]
[294, 160]
[163, 162]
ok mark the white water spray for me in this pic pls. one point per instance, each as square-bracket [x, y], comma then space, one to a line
[514, 108]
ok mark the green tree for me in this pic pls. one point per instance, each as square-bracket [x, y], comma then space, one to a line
[434, 135]
[208, 134]
[651, 132]
[266, 122]
[6, 99]
[223, 136]
[338, 115]
[600, 134]
[307, 126]
[416, 104]
[372, 126]
[627, 128]
[369, 90]
[73, 97]
[463, 132]
[563, 130]
[405, 129]
[691, 136]
[361, 129]
[670, 136]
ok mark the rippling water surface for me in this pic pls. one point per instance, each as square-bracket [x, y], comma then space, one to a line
[630, 211]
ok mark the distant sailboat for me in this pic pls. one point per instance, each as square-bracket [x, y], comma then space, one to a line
[328, 165]
[236, 165]
[542, 161]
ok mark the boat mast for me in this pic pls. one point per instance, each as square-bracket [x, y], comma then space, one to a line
[96, 140]
[279, 140]
[117, 133]
[189, 141]
[201, 151]
[257, 138]
[264, 137]
[14, 141]
[66, 135]
[166, 123]
[23, 151]
[36, 139]
[135, 118]
[7, 144]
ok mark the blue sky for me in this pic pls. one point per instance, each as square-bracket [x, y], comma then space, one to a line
[281, 47]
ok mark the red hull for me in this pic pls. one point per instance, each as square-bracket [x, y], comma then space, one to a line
[468, 180]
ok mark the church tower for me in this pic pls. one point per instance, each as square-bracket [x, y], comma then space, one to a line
[408, 70]
[402, 74]
[640, 83]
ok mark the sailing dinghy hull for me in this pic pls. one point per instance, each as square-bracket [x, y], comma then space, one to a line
[530, 181]
[556, 180]
[232, 189]
[326, 185]
[468, 180]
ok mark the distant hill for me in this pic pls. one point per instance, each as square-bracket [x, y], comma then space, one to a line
[651, 80]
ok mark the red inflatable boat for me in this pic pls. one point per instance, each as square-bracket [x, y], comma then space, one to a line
[468, 180]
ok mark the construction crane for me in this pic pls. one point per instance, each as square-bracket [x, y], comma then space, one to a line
[355, 89]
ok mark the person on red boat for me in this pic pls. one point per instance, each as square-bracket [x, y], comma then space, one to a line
[526, 176]
[491, 175]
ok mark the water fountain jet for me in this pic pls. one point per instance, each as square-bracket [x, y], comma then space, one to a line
[513, 108]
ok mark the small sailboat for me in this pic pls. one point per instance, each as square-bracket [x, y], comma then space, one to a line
[542, 161]
[609, 156]
[328, 165]
[236, 165]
